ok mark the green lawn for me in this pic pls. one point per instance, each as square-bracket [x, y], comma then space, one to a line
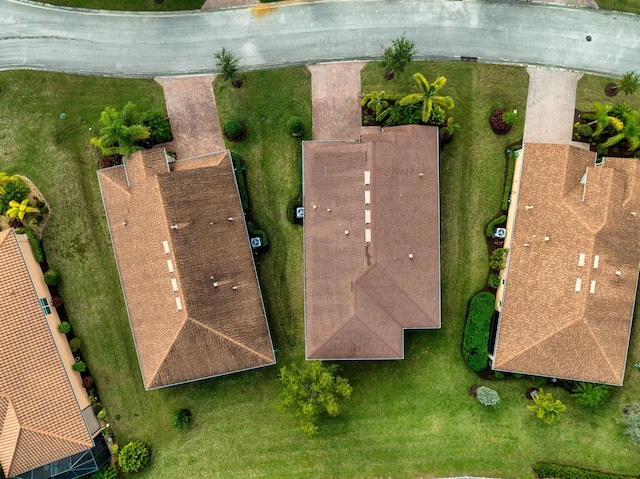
[410, 418]
[632, 6]
[131, 5]
[591, 89]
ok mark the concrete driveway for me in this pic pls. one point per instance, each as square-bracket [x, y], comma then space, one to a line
[269, 35]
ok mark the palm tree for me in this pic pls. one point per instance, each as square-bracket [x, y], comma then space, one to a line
[20, 209]
[603, 118]
[547, 408]
[378, 101]
[5, 180]
[629, 83]
[228, 64]
[428, 97]
[629, 132]
[119, 131]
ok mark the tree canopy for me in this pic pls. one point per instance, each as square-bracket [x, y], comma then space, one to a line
[396, 57]
[120, 130]
[312, 391]
[428, 98]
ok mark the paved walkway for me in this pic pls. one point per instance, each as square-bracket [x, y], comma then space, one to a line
[335, 91]
[193, 115]
[551, 103]
[211, 4]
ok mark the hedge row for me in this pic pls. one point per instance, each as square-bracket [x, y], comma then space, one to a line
[38, 252]
[511, 165]
[558, 471]
[498, 221]
[239, 168]
[475, 345]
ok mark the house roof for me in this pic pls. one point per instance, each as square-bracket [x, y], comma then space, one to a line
[40, 418]
[566, 311]
[186, 267]
[371, 240]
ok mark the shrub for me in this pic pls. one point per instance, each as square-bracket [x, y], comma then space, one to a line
[546, 408]
[87, 382]
[487, 396]
[590, 394]
[631, 420]
[583, 131]
[233, 129]
[75, 344]
[52, 277]
[510, 117]
[475, 346]
[498, 221]
[241, 180]
[227, 63]
[158, 125]
[107, 472]
[38, 253]
[295, 126]
[511, 166]
[102, 415]
[14, 191]
[64, 327]
[493, 281]
[498, 258]
[181, 418]
[80, 366]
[134, 456]
[57, 302]
[396, 57]
[115, 449]
[558, 471]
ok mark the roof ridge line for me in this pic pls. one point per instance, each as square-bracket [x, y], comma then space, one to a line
[595, 340]
[161, 362]
[231, 340]
[56, 436]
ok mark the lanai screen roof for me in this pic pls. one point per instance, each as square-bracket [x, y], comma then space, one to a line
[186, 267]
[40, 418]
[572, 268]
[371, 233]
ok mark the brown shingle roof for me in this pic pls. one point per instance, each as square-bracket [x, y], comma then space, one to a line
[40, 418]
[360, 292]
[547, 328]
[174, 240]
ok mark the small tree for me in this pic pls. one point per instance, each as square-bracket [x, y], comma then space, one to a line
[487, 396]
[134, 456]
[498, 258]
[590, 394]
[629, 83]
[180, 418]
[228, 64]
[428, 97]
[52, 277]
[631, 420]
[396, 57]
[546, 408]
[64, 327]
[312, 391]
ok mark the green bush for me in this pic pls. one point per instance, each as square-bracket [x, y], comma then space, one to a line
[75, 344]
[475, 346]
[38, 253]
[180, 418]
[64, 327]
[52, 277]
[254, 230]
[558, 471]
[631, 420]
[107, 472]
[511, 165]
[134, 456]
[233, 129]
[494, 280]
[509, 117]
[239, 168]
[498, 259]
[79, 366]
[102, 415]
[583, 131]
[158, 125]
[498, 221]
[295, 126]
[487, 396]
[590, 394]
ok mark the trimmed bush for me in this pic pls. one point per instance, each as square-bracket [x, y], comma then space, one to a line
[38, 253]
[102, 415]
[180, 418]
[583, 131]
[233, 129]
[509, 117]
[239, 168]
[493, 281]
[558, 471]
[75, 344]
[134, 456]
[52, 277]
[498, 221]
[487, 396]
[79, 366]
[498, 259]
[590, 394]
[295, 126]
[64, 327]
[475, 346]
[511, 166]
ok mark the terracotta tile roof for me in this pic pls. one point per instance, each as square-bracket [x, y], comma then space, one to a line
[576, 226]
[40, 419]
[371, 237]
[172, 234]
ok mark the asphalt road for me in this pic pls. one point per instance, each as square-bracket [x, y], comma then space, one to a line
[159, 44]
